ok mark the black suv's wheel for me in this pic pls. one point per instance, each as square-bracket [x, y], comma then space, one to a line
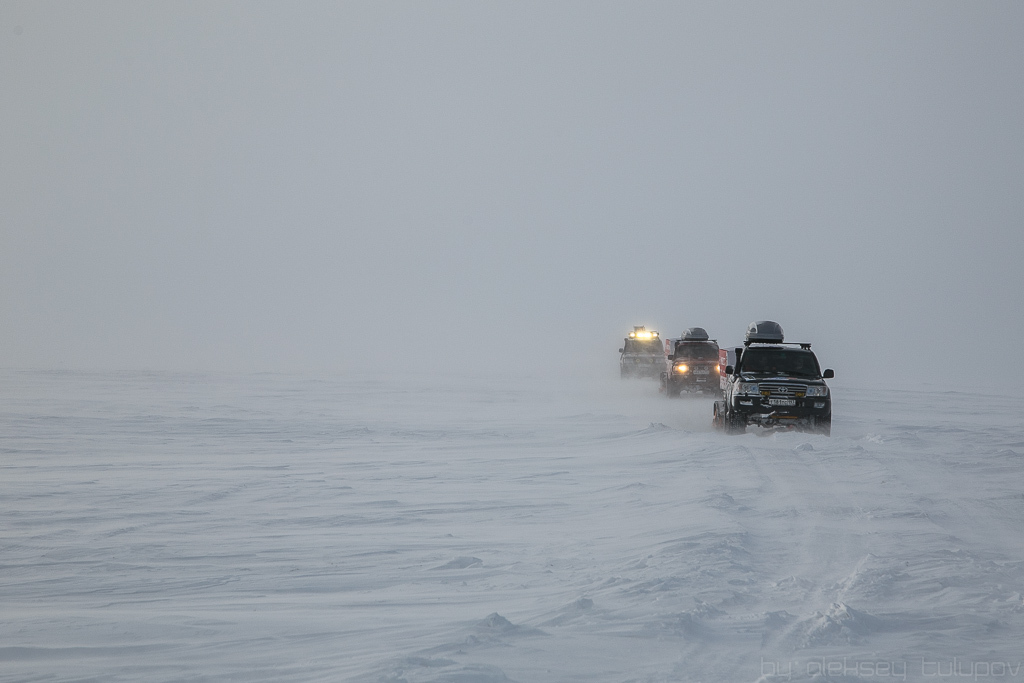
[823, 425]
[735, 424]
[718, 420]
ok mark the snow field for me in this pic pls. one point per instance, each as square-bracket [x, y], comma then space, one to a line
[266, 527]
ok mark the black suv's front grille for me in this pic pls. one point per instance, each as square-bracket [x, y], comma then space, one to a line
[790, 390]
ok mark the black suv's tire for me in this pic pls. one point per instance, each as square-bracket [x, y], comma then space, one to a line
[823, 425]
[718, 419]
[672, 389]
[735, 424]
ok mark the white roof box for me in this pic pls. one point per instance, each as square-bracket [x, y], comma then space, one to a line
[765, 332]
[695, 334]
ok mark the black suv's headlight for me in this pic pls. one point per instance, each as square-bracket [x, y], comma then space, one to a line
[747, 389]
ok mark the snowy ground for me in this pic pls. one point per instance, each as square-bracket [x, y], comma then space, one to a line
[192, 527]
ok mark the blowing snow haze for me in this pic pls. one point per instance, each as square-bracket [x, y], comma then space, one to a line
[329, 186]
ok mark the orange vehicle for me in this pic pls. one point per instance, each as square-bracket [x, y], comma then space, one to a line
[691, 364]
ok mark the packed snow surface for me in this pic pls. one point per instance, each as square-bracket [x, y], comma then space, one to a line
[204, 527]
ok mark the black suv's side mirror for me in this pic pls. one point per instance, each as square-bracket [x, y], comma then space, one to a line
[671, 356]
[828, 374]
[729, 369]
[620, 350]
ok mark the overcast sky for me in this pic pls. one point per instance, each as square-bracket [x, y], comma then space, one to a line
[331, 186]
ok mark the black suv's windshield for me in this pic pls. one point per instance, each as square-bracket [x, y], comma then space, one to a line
[797, 362]
[645, 346]
[696, 351]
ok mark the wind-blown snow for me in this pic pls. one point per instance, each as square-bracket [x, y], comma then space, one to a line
[201, 527]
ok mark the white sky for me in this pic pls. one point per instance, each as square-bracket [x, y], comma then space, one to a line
[333, 186]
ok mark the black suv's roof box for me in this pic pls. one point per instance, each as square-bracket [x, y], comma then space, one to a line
[695, 334]
[764, 332]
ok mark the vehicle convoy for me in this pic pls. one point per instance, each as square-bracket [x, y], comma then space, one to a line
[641, 354]
[774, 384]
[691, 364]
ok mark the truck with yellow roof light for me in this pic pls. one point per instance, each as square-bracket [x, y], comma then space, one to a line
[641, 354]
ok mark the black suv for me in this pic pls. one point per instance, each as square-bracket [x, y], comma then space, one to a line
[691, 364]
[774, 385]
[641, 354]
